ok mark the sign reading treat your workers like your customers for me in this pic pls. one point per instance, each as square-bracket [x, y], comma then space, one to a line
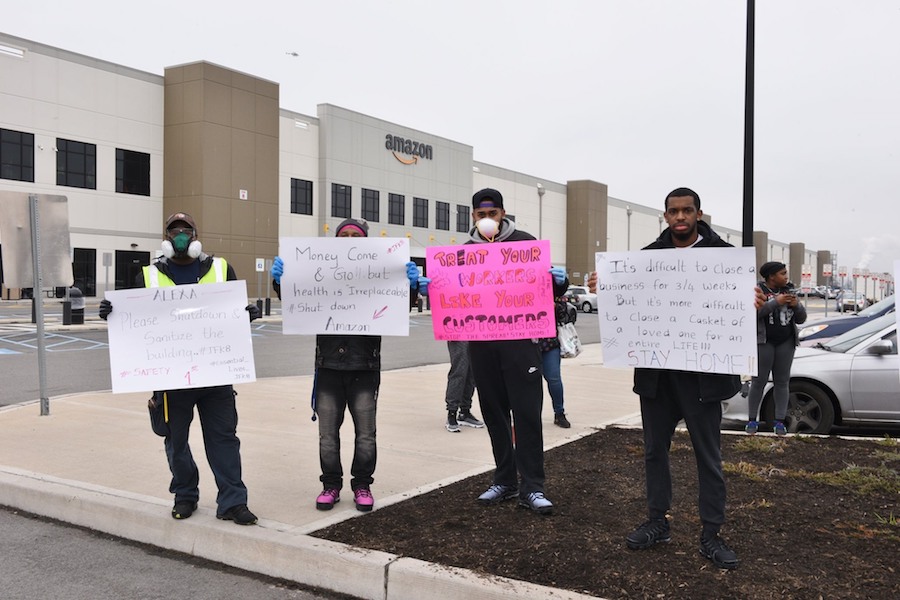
[686, 309]
[186, 336]
[345, 286]
[501, 291]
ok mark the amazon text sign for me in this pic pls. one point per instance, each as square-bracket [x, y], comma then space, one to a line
[345, 286]
[173, 338]
[491, 291]
[687, 310]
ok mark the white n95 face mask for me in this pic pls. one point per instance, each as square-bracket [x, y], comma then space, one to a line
[487, 227]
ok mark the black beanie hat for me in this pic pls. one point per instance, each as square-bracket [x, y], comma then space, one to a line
[770, 268]
[487, 197]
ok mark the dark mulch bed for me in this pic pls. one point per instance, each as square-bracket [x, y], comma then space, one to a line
[808, 517]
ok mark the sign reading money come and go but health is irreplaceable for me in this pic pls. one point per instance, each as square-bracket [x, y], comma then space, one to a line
[186, 336]
[491, 291]
[345, 286]
[688, 309]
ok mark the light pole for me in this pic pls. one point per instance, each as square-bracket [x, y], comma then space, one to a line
[541, 191]
[628, 212]
[749, 80]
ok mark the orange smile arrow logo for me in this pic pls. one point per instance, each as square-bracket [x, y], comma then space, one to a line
[406, 161]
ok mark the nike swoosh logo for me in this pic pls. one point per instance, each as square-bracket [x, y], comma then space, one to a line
[532, 369]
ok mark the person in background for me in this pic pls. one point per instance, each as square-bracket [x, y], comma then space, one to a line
[184, 262]
[508, 378]
[460, 388]
[551, 361]
[348, 377]
[776, 339]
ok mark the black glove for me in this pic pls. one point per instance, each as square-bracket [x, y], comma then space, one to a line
[254, 311]
[105, 308]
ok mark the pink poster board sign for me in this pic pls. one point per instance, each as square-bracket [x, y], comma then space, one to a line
[492, 291]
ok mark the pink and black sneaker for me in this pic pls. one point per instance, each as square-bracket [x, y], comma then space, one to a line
[363, 498]
[328, 498]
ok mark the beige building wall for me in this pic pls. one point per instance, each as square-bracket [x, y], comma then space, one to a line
[587, 205]
[798, 258]
[221, 161]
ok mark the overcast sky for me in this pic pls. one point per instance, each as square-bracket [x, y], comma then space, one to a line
[643, 95]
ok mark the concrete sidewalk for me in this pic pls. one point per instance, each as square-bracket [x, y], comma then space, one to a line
[95, 462]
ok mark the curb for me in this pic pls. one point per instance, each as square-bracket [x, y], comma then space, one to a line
[271, 548]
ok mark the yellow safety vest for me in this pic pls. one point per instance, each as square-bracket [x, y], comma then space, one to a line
[153, 277]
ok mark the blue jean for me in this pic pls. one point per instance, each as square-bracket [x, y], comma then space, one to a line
[551, 361]
[218, 421]
[337, 391]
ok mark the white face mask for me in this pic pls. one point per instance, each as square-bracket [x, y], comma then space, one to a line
[487, 227]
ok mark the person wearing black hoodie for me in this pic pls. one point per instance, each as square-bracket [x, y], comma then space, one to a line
[509, 381]
[669, 396]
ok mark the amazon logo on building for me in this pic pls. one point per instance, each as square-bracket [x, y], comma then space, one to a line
[415, 149]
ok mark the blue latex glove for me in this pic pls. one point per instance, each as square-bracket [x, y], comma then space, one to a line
[559, 275]
[412, 273]
[423, 285]
[277, 269]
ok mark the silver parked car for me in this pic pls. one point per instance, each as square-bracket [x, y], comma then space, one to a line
[582, 298]
[852, 380]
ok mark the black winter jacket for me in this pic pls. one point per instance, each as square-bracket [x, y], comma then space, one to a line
[714, 387]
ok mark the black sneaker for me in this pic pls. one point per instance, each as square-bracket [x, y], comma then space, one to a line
[537, 502]
[452, 424]
[654, 531]
[183, 509]
[468, 419]
[561, 420]
[716, 550]
[240, 514]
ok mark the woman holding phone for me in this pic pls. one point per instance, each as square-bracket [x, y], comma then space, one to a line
[776, 339]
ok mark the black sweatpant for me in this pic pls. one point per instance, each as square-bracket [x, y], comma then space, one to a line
[511, 393]
[678, 397]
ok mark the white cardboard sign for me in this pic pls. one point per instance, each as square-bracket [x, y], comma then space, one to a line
[683, 309]
[345, 286]
[186, 336]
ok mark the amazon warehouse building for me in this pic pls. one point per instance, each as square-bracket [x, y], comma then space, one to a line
[127, 148]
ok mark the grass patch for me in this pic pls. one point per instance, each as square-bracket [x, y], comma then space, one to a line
[760, 444]
[861, 480]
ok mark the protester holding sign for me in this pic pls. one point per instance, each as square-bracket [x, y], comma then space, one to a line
[776, 338]
[668, 396]
[348, 376]
[508, 377]
[184, 262]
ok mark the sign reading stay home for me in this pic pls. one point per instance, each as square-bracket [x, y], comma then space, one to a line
[491, 291]
[186, 336]
[345, 286]
[683, 309]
